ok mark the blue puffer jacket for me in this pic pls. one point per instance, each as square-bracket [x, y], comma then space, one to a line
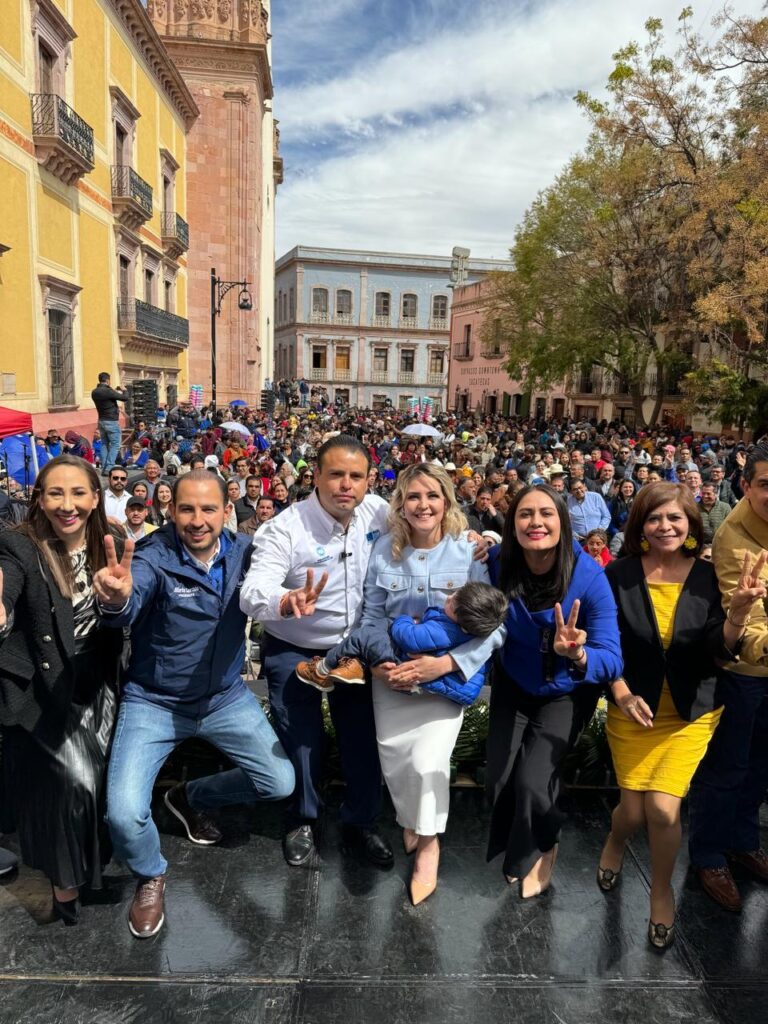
[436, 634]
[188, 633]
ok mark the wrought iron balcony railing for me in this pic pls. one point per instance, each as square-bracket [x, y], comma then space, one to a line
[127, 184]
[463, 350]
[52, 116]
[152, 322]
[63, 140]
[381, 320]
[438, 323]
[409, 322]
[175, 230]
[343, 319]
[319, 316]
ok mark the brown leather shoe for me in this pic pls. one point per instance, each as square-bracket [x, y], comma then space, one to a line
[718, 884]
[309, 672]
[147, 913]
[349, 670]
[754, 862]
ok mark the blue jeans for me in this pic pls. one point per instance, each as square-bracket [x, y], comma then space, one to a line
[144, 737]
[111, 437]
[730, 783]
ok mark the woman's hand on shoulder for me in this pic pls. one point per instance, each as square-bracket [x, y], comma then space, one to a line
[482, 546]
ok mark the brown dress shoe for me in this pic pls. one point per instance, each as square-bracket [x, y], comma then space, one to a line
[754, 862]
[718, 884]
[147, 913]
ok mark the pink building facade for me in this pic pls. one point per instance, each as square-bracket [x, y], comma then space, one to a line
[477, 376]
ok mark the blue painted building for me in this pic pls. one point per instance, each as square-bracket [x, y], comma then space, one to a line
[371, 327]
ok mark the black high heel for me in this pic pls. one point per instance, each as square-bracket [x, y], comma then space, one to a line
[67, 911]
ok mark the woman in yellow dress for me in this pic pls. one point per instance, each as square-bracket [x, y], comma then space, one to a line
[664, 710]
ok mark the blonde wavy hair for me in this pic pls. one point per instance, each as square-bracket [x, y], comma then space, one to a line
[454, 520]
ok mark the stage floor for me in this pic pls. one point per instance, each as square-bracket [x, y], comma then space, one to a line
[248, 939]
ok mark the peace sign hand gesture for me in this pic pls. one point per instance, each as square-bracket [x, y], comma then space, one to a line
[303, 600]
[569, 641]
[113, 583]
[750, 587]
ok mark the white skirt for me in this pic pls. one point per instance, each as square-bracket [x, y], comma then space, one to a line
[416, 734]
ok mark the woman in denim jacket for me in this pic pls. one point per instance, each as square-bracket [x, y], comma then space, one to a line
[421, 562]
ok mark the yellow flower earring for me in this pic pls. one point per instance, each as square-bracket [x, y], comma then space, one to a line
[645, 547]
[690, 543]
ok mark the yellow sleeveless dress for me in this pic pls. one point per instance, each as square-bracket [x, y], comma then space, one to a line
[662, 759]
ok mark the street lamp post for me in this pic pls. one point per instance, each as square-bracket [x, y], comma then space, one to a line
[219, 289]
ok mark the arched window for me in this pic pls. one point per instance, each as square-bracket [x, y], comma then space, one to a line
[382, 309]
[440, 309]
[410, 308]
[344, 305]
[320, 305]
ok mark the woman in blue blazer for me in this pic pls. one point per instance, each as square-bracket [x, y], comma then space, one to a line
[562, 646]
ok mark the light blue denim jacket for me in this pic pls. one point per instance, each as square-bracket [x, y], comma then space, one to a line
[424, 578]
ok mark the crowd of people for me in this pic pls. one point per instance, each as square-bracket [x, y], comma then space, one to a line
[394, 567]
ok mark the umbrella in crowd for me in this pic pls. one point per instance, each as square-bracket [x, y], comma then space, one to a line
[421, 430]
[240, 428]
[238, 403]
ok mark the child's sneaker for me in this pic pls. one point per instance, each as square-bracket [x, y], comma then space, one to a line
[308, 672]
[349, 670]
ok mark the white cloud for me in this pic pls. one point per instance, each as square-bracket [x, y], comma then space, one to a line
[447, 141]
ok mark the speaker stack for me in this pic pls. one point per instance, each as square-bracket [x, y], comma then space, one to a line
[143, 401]
[267, 403]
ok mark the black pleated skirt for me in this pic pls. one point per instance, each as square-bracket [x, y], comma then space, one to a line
[56, 793]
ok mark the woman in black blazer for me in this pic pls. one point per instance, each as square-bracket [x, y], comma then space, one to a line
[58, 680]
[664, 710]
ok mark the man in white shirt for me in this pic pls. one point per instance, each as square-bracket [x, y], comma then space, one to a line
[115, 496]
[306, 589]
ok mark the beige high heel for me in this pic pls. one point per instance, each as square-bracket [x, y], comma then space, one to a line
[421, 890]
[410, 840]
[538, 888]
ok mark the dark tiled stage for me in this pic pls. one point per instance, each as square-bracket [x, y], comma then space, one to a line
[248, 939]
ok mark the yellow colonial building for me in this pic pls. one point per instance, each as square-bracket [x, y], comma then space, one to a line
[94, 119]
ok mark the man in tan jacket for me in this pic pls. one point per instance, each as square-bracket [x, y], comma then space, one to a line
[731, 781]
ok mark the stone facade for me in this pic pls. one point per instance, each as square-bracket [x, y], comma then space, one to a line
[371, 327]
[477, 376]
[221, 48]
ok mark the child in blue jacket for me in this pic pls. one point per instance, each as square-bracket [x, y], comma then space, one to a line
[474, 610]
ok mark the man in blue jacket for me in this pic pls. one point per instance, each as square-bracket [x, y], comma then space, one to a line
[181, 598]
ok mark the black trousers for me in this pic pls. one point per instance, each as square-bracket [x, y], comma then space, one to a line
[528, 737]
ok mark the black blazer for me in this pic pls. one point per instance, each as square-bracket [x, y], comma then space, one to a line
[688, 664]
[36, 657]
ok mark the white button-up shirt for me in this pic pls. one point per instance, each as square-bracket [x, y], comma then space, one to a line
[114, 504]
[305, 537]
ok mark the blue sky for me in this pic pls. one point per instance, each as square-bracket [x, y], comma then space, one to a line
[417, 125]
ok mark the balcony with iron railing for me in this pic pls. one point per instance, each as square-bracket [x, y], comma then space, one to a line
[464, 350]
[381, 320]
[438, 323]
[588, 383]
[343, 319]
[409, 323]
[319, 316]
[140, 321]
[493, 350]
[175, 234]
[131, 197]
[63, 141]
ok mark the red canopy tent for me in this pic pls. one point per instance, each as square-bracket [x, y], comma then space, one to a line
[14, 422]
